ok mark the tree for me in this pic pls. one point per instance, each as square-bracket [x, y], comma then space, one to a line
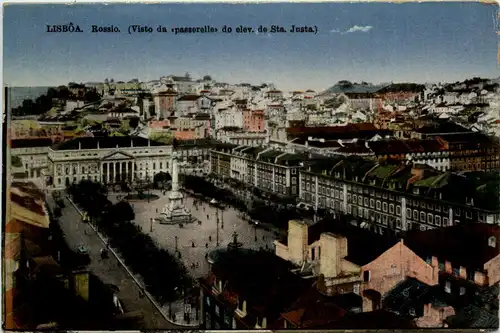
[133, 122]
[344, 84]
[122, 211]
[187, 76]
[92, 96]
[16, 161]
[207, 78]
[161, 179]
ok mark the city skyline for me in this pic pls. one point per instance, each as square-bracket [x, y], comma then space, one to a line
[377, 42]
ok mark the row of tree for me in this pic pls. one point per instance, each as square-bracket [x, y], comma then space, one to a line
[271, 210]
[161, 271]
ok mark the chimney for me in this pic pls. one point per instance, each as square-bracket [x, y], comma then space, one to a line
[334, 250]
[79, 145]
[97, 144]
[297, 241]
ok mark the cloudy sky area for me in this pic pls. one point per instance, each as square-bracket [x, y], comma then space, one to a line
[423, 42]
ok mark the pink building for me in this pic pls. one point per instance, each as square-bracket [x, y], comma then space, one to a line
[159, 124]
[253, 120]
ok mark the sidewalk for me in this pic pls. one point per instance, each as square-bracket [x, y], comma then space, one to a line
[175, 312]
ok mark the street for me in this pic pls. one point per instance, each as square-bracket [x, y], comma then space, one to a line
[109, 270]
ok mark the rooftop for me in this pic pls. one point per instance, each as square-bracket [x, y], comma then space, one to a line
[448, 244]
[260, 278]
[30, 143]
[105, 142]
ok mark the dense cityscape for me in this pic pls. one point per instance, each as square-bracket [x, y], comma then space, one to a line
[188, 203]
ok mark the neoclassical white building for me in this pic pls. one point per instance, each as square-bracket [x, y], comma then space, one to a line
[108, 160]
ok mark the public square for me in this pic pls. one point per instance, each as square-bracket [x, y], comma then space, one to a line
[203, 236]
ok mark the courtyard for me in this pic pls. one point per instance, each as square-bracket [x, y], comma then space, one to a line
[195, 240]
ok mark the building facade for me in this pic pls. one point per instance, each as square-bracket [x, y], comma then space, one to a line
[267, 169]
[390, 199]
[33, 155]
[108, 160]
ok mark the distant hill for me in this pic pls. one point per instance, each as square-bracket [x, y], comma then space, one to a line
[348, 87]
[407, 87]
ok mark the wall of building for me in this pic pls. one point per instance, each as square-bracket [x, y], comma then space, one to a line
[394, 266]
[493, 269]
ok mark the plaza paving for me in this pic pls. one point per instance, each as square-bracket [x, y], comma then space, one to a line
[195, 233]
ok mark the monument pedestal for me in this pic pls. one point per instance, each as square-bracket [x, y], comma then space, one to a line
[175, 212]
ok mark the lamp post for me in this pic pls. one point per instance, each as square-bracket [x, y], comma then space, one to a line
[217, 221]
[176, 240]
[151, 225]
[222, 219]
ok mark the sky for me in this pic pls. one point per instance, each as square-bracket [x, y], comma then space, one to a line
[373, 42]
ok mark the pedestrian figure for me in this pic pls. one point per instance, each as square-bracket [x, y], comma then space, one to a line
[206, 255]
[197, 264]
[192, 244]
[206, 245]
[207, 217]
[210, 238]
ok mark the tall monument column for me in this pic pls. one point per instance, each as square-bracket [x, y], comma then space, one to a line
[175, 212]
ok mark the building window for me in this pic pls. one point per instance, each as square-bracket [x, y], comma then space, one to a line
[430, 218]
[462, 291]
[384, 207]
[445, 221]
[398, 223]
[447, 287]
[492, 242]
[372, 203]
[393, 267]
[378, 204]
[356, 289]
[366, 202]
[366, 276]
[470, 274]
[438, 220]
[398, 210]
[415, 215]
[422, 217]
[391, 208]
[468, 214]
[313, 254]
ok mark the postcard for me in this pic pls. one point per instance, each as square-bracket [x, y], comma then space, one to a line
[272, 166]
